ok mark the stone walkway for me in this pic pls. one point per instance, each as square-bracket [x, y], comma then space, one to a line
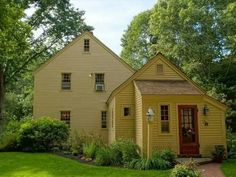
[211, 170]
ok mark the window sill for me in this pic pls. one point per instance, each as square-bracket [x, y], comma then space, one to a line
[86, 53]
[65, 90]
[165, 134]
[104, 129]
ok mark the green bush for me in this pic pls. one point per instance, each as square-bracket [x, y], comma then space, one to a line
[168, 155]
[42, 134]
[8, 138]
[231, 144]
[185, 170]
[90, 149]
[161, 160]
[8, 143]
[124, 151]
[155, 162]
[104, 156]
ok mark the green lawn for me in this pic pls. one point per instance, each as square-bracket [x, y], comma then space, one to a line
[17, 164]
[229, 168]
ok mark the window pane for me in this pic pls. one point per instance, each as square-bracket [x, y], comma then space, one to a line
[99, 82]
[66, 81]
[104, 119]
[65, 116]
[86, 45]
[126, 111]
[165, 127]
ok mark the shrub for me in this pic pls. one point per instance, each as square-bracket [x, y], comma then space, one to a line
[8, 137]
[185, 170]
[104, 156]
[155, 162]
[168, 155]
[124, 151]
[90, 149]
[8, 143]
[219, 153]
[231, 144]
[161, 160]
[142, 163]
[42, 134]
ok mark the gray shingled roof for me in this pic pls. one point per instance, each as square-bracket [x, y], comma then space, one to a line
[170, 87]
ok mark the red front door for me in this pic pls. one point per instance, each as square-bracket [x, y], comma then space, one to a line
[188, 130]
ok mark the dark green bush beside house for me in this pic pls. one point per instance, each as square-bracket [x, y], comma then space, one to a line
[40, 134]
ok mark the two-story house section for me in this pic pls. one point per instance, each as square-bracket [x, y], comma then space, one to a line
[74, 85]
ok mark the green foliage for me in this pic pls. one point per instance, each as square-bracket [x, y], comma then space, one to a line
[219, 153]
[90, 149]
[8, 139]
[56, 24]
[231, 144]
[159, 160]
[228, 167]
[124, 150]
[185, 170]
[167, 154]
[8, 142]
[42, 134]
[137, 41]
[104, 156]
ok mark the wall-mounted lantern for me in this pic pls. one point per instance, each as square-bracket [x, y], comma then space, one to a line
[150, 114]
[205, 110]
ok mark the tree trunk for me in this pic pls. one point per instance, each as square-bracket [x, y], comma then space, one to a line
[2, 93]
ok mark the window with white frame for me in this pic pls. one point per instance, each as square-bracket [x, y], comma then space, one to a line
[65, 117]
[104, 119]
[165, 119]
[99, 82]
[66, 81]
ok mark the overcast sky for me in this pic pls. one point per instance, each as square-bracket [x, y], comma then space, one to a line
[111, 17]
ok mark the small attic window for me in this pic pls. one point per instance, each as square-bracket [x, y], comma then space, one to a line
[86, 45]
[159, 69]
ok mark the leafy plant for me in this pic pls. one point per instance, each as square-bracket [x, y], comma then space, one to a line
[185, 170]
[124, 151]
[168, 155]
[231, 144]
[219, 153]
[42, 134]
[90, 149]
[104, 156]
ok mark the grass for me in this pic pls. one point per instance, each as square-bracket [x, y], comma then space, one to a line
[228, 168]
[18, 164]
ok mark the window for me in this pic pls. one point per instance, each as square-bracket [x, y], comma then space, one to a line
[159, 69]
[66, 81]
[65, 116]
[99, 82]
[104, 119]
[165, 122]
[126, 111]
[86, 45]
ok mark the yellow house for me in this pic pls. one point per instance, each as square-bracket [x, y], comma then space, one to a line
[90, 88]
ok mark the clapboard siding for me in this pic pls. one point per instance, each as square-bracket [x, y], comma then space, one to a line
[151, 73]
[84, 103]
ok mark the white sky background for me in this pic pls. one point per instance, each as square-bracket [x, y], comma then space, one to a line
[111, 17]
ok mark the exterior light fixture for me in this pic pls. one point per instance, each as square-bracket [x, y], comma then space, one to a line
[91, 75]
[205, 110]
[150, 114]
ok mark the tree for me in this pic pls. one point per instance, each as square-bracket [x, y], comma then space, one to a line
[55, 23]
[137, 41]
[190, 33]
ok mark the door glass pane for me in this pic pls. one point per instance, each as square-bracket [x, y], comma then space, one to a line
[187, 124]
